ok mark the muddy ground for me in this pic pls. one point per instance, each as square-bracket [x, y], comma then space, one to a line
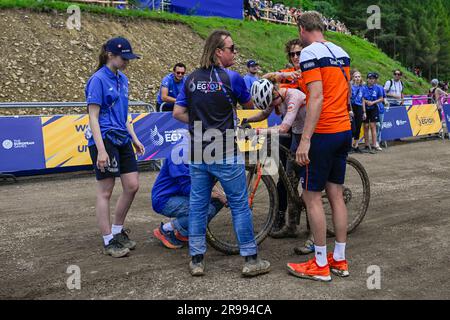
[48, 224]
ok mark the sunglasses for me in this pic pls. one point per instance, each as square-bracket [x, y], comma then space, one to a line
[293, 54]
[180, 73]
[398, 74]
[232, 48]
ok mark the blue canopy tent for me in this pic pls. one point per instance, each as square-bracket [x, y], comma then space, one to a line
[218, 8]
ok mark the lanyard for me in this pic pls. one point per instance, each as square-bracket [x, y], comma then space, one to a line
[337, 61]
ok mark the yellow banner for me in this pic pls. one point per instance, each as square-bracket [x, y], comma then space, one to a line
[424, 119]
[64, 141]
[246, 146]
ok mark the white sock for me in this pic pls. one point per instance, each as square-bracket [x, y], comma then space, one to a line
[339, 251]
[116, 229]
[168, 227]
[107, 239]
[321, 255]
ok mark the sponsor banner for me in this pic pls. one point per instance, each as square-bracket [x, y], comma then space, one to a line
[446, 109]
[157, 132]
[424, 119]
[395, 124]
[21, 144]
[420, 100]
[65, 144]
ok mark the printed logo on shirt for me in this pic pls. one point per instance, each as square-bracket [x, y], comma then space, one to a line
[156, 138]
[208, 86]
[192, 86]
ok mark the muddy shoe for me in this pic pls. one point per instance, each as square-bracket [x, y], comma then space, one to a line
[307, 248]
[255, 267]
[197, 266]
[285, 232]
[115, 249]
[124, 240]
[280, 220]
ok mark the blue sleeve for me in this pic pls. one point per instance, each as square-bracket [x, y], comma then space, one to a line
[364, 93]
[239, 87]
[165, 82]
[94, 91]
[182, 100]
[181, 175]
[248, 83]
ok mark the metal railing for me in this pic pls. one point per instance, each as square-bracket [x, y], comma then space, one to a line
[74, 104]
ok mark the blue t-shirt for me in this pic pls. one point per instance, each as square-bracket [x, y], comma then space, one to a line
[110, 92]
[372, 93]
[173, 180]
[357, 95]
[211, 96]
[173, 87]
[249, 79]
[381, 104]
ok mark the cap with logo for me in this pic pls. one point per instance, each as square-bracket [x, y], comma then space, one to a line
[252, 63]
[372, 75]
[122, 47]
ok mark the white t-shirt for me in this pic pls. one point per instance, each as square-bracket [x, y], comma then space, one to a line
[394, 87]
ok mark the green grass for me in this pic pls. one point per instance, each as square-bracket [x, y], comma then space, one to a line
[259, 40]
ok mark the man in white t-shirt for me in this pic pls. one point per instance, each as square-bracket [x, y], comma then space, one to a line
[394, 89]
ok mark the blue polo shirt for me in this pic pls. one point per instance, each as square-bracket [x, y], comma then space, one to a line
[249, 79]
[357, 95]
[372, 93]
[173, 180]
[110, 92]
[173, 87]
[381, 104]
[211, 96]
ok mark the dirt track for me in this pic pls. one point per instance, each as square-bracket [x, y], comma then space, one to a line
[47, 225]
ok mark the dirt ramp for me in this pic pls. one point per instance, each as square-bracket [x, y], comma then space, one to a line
[42, 60]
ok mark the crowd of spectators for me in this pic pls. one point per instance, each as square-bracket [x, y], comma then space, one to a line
[279, 13]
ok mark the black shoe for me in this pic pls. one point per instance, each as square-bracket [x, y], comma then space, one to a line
[115, 249]
[367, 149]
[357, 150]
[280, 220]
[124, 240]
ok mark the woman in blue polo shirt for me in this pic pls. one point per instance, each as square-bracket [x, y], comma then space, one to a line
[357, 107]
[111, 140]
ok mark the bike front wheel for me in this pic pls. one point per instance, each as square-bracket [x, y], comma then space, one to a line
[263, 199]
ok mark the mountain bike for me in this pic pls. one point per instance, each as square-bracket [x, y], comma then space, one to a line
[263, 199]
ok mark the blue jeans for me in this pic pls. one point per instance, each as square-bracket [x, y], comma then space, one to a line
[233, 180]
[178, 207]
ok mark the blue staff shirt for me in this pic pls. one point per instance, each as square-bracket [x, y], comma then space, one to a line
[372, 93]
[110, 92]
[173, 87]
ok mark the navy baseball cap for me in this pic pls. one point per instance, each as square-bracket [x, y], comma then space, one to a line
[121, 47]
[372, 75]
[252, 63]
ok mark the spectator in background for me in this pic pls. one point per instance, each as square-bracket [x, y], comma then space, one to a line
[252, 75]
[436, 94]
[381, 114]
[171, 85]
[357, 107]
[372, 95]
[394, 89]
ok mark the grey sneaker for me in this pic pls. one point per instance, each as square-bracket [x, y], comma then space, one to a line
[115, 249]
[197, 269]
[124, 240]
[255, 268]
[285, 232]
[307, 248]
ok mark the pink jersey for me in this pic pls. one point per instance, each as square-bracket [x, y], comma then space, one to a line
[293, 110]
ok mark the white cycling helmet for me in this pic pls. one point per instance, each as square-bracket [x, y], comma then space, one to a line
[262, 91]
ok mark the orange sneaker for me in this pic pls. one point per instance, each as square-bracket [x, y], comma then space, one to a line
[310, 270]
[339, 268]
[181, 237]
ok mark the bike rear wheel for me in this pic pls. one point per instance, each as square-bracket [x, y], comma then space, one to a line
[264, 204]
[356, 196]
